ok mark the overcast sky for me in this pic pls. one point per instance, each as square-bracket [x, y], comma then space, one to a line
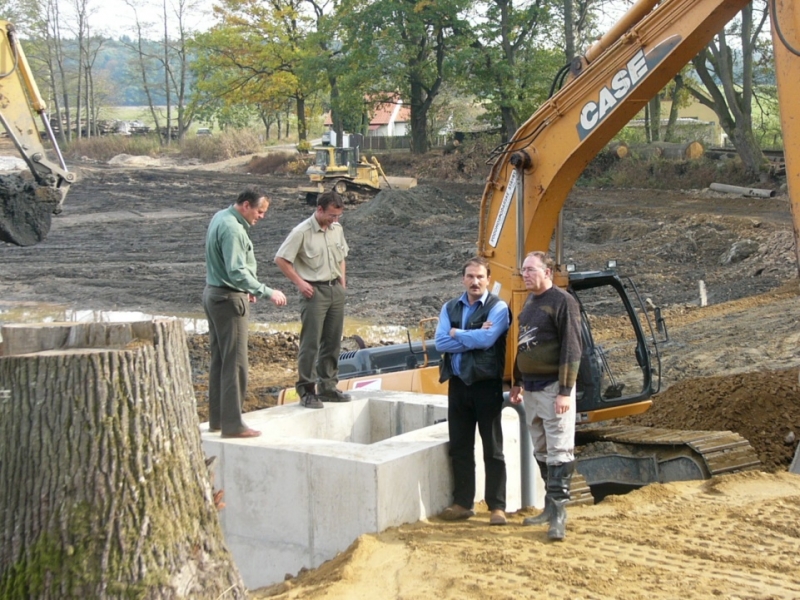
[115, 17]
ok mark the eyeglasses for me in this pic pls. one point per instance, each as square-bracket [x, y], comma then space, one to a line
[530, 269]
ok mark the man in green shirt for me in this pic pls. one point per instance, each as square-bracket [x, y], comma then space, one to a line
[231, 285]
[313, 258]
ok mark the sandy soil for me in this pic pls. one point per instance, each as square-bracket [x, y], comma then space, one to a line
[131, 238]
[734, 537]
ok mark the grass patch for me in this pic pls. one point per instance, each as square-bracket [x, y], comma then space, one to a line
[213, 148]
[106, 147]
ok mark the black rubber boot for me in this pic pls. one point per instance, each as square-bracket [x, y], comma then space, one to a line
[544, 516]
[558, 521]
[559, 477]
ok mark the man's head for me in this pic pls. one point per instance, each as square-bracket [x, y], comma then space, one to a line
[475, 276]
[330, 207]
[537, 272]
[252, 203]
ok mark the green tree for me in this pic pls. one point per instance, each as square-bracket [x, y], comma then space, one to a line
[407, 47]
[259, 53]
[510, 64]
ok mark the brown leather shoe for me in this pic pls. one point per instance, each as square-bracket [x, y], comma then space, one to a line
[247, 433]
[498, 517]
[456, 512]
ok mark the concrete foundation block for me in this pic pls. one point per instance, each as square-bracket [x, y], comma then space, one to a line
[317, 479]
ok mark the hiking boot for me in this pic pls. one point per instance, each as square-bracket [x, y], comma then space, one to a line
[311, 401]
[334, 396]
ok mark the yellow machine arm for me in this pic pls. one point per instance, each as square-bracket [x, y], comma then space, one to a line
[26, 207]
[533, 174]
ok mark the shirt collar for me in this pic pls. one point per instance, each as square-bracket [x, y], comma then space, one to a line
[242, 221]
[481, 300]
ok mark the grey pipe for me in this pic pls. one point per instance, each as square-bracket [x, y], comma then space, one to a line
[744, 191]
[526, 467]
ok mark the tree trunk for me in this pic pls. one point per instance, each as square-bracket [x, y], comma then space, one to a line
[655, 118]
[681, 151]
[669, 134]
[105, 490]
[302, 128]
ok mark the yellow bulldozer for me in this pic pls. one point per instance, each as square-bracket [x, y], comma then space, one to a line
[349, 173]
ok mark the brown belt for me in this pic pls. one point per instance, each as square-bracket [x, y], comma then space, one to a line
[329, 283]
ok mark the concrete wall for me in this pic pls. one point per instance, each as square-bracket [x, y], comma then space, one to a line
[317, 479]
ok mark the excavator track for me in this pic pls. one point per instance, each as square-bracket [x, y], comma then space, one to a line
[638, 456]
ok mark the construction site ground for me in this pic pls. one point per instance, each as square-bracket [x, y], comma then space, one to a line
[131, 239]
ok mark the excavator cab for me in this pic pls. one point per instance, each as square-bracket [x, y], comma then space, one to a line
[621, 365]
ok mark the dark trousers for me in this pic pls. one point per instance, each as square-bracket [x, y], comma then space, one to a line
[227, 312]
[322, 318]
[469, 405]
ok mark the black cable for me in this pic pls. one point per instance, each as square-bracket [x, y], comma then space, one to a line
[558, 82]
[13, 46]
[784, 41]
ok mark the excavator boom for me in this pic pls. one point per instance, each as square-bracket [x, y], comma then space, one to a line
[26, 205]
[534, 172]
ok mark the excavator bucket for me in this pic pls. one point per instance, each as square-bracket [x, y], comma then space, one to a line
[26, 210]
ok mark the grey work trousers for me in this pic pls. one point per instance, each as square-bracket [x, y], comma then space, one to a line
[553, 435]
[227, 312]
[322, 318]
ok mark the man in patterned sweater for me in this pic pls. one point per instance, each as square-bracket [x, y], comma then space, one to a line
[545, 372]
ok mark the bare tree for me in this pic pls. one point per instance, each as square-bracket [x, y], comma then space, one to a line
[727, 93]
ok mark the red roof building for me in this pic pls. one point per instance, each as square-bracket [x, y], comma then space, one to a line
[390, 119]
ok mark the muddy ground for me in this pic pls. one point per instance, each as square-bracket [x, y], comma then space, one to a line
[132, 239]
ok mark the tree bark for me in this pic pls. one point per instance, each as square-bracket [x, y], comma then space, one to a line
[106, 493]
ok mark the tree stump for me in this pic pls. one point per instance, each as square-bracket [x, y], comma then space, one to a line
[105, 489]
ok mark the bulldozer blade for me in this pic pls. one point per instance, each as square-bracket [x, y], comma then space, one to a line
[398, 183]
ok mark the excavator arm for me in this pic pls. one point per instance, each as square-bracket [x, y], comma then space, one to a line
[27, 204]
[534, 172]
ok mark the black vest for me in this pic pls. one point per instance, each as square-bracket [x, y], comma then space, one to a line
[476, 365]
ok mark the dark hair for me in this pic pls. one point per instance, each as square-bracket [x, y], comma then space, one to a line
[543, 257]
[251, 194]
[479, 261]
[330, 199]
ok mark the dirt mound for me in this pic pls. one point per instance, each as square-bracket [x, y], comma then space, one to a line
[761, 406]
[420, 205]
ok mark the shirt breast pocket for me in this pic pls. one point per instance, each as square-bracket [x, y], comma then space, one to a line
[314, 257]
[337, 251]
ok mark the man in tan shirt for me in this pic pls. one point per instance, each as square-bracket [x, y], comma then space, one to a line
[313, 258]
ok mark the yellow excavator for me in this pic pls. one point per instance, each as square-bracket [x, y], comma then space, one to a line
[27, 203]
[531, 176]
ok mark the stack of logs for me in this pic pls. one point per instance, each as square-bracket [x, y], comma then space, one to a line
[674, 151]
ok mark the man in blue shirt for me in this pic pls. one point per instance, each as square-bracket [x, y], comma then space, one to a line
[472, 333]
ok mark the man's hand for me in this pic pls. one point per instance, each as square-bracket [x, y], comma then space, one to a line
[278, 298]
[515, 395]
[487, 325]
[252, 299]
[453, 332]
[305, 288]
[562, 404]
